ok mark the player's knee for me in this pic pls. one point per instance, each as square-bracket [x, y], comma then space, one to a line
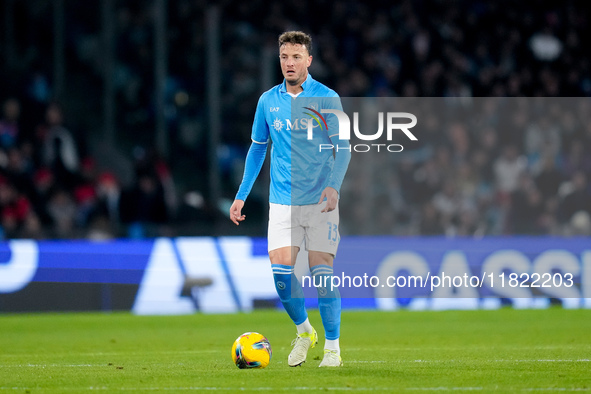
[282, 260]
[320, 258]
[282, 256]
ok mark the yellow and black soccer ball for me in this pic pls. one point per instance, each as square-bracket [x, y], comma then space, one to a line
[251, 350]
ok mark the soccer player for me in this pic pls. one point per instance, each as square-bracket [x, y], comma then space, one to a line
[304, 193]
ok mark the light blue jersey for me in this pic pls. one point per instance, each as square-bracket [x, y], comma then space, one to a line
[300, 171]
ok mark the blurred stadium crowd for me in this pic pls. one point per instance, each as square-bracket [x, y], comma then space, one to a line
[48, 190]
[473, 181]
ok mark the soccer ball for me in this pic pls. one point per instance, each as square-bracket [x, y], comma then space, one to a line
[251, 350]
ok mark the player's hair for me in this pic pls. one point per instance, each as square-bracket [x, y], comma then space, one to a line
[296, 37]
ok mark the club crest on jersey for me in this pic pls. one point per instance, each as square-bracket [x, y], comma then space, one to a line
[277, 124]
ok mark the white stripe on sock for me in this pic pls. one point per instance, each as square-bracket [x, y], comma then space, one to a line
[279, 270]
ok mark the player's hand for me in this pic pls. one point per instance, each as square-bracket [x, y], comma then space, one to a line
[332, 198]
[236, 212]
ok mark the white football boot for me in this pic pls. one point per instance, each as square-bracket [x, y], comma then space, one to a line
[331, 359]
[301, 345]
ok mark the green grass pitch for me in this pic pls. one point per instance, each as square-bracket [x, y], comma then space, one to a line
[486, 351]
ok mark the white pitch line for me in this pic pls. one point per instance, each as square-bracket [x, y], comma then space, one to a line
[557, 389]
[130, 353]
[212, 388]
[504, 388]
[53, 365]
[399, 349]
[583, 360]
[444, 388]
[464, 348]
[234, 389]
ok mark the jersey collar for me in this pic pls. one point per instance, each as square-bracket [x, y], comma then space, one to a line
[305, 85]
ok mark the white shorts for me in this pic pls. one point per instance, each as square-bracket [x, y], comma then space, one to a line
[290, 225]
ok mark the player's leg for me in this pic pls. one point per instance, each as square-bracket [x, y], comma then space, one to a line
[281, 238]
[291, 295]
[322, 240]
[287, 285]
[329, 305]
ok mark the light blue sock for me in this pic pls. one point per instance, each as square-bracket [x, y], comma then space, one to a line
[290, 292]
[329, 301]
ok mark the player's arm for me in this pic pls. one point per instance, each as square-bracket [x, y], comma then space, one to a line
[341, 163]
[254, 162]
[342, 151]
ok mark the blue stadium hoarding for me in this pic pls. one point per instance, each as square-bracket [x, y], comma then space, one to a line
[228, 274]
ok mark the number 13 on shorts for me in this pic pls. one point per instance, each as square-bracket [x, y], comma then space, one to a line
[333, 232]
